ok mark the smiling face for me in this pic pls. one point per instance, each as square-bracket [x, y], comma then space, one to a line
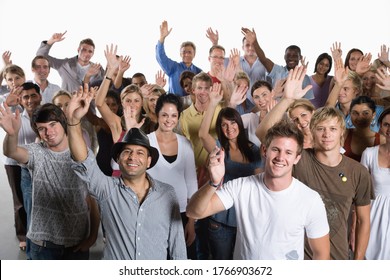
[187, 54]
[280, 157]
[30, 100]
[262, 98]
[53, 134]
[133, 161]
[301, 117]
[229, 128]
[41, 69]
[354, 59]
[362, 115]
[292, 57]
[85, 53]
[168, 117]
[323, 66]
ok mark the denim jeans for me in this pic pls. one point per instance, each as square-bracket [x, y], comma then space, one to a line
[222, 239]
[55, 252]
[201, 240]
[26, 187]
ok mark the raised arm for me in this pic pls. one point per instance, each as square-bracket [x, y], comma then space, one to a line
[205, 202]
[292, 91]
[124, 65]
[7, 61]
[212, 36]
[111, 119]
[11, 124]
[383, 56]
[251, 37]
[164, 31]
[340, 76]
[78, 108]
[208, 141]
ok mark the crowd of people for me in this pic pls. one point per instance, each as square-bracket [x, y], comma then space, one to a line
[245, 160]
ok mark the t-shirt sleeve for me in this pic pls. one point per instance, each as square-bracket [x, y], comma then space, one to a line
[317, 222]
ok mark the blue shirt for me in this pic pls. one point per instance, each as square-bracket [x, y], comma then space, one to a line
[173, 69]
[374, 126]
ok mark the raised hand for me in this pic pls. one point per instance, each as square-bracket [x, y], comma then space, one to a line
[93, 69]
[340, 72]
[216, 94]
[293, 86]
[336, 51]
[364, 64]
[164, 31]
[384, 80]
[238, 95]
[124, 63]
[146, 90]
[7, 58]
[383, 56]
[79, 104]
[303, 61]
[212, 36]
[228, 73]
[250, 35]
[216, 165]
[13, 98]
[278, 90]
[130, 116]
[112, 60]
[160, 78]
[56, 37]
[8, 121]
[235, 57]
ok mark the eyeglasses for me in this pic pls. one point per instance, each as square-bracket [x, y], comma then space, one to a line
[217, 57]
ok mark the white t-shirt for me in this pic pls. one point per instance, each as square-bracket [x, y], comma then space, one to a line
[271, 225]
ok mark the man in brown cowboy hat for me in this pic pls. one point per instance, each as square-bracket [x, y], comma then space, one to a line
[140, 215]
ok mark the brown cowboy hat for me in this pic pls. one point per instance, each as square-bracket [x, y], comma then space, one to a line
[135, 136]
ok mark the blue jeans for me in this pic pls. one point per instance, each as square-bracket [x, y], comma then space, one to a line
[222, 239]
[201, 240]
[55, 252]
[26, 187]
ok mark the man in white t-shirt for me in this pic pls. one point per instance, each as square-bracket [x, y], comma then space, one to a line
[274, 210]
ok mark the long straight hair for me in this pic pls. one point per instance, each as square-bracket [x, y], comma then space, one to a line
[244, 145]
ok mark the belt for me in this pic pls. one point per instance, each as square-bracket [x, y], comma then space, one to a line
[48, 244]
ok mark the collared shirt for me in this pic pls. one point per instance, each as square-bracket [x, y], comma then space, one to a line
[173, 69]
[148, 231]
[190, 122]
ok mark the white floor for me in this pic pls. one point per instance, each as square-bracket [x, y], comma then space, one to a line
[9, 245]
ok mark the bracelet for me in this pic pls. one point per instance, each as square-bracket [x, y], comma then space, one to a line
[108, 78]
[74, 124]
[215, 185]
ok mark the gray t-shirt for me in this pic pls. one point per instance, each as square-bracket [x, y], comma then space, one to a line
[59, 209]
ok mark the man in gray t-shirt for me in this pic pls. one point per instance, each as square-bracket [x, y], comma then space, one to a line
[64, 219]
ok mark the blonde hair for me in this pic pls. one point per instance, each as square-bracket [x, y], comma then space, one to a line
[61, 93]
[302, 102]
[130, 89]
[324, 114]
[156, 91]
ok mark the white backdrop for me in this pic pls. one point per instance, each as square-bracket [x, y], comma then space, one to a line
[134, 26]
